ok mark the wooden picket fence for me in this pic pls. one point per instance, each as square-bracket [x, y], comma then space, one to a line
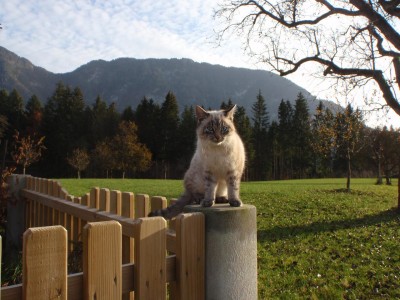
[125, 254]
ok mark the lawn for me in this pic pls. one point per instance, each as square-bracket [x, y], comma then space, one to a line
[314, 240]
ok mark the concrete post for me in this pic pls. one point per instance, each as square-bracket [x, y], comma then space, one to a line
[231, 251]
[15, 214]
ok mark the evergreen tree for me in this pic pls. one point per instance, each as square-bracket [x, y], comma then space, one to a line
[243, 127]
[169, 123]
[62, 126]
[112, 120]
[147, 118]
[128, 114]
[260, 127]
[285, 139]
[301, 138]
[273, 137]
[12, 106]
[34, 115]
[186, 140]
[97, 115]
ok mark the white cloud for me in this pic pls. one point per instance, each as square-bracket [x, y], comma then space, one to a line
[62, 35]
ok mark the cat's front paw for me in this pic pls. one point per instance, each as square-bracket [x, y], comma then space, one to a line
[207, 203]
[235, 202]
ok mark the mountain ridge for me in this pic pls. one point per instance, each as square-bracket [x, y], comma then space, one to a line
[125, 81]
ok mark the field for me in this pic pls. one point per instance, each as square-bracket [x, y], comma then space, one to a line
[315, 241]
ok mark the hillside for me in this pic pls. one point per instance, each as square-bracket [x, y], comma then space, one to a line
[126, 81]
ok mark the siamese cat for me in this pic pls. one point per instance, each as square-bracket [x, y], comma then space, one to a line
[217, 165]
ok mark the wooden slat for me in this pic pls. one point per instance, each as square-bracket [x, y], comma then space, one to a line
[115, 202]
[171, 223]
[102, 260]
[150, 259]
[126, 209]
[94, 198]
[142, 205]
[45, 263]
[127, 242]
[190, 248]
[158, 202]
[76, 228]
[104, 200]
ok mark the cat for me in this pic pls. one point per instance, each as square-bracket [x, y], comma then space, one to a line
[216, 167]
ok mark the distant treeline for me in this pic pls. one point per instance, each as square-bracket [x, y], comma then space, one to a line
[299, 144]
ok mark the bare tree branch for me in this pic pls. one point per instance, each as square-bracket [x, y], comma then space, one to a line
[353, 40]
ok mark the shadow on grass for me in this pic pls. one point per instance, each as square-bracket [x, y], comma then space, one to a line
[281, 233]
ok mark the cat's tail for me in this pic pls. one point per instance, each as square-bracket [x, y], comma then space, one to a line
[172, 210]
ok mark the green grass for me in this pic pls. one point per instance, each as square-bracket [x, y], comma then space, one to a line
[314, 240]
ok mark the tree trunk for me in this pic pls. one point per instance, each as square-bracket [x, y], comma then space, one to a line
[379, 181]
[348, 172]
[79, 174]
[123, 174]
[398, 187]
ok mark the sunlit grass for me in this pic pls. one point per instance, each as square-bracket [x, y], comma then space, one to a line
[315, 241]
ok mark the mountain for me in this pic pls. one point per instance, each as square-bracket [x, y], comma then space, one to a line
[126, 81]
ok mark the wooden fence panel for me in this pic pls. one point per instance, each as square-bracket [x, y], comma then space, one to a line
[45, 263]
[150, 258]
[139, 255]
[102, 263]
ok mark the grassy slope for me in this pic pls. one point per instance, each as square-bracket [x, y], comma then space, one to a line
[314, 241]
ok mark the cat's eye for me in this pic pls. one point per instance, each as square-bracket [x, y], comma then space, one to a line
[209, 129]
[224, 129]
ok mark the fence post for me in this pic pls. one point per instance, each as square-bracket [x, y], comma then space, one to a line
[231, 251]
[15, 214]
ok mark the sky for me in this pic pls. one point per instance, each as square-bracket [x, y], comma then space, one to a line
[61, 35]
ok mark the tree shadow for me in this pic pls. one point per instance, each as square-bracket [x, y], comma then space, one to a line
[281, 233]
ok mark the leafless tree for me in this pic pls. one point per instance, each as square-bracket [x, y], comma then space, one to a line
[356, 42]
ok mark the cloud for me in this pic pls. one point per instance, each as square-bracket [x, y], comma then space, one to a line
[62, 35]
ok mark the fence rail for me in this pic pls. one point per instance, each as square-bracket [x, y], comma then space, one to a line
[123, 251]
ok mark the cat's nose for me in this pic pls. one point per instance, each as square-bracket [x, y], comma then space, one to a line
[218, 138]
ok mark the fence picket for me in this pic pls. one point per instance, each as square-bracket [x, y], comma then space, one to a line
[102, 262]
[115, 202]
[150, 258]
[45, 263]
[142, 205]
[104, 200]
[158, 202]
[126, 209]
[94, 198]
[76, 228]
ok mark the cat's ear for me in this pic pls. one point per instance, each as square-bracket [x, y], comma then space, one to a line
[230, 112]
[201, 114]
